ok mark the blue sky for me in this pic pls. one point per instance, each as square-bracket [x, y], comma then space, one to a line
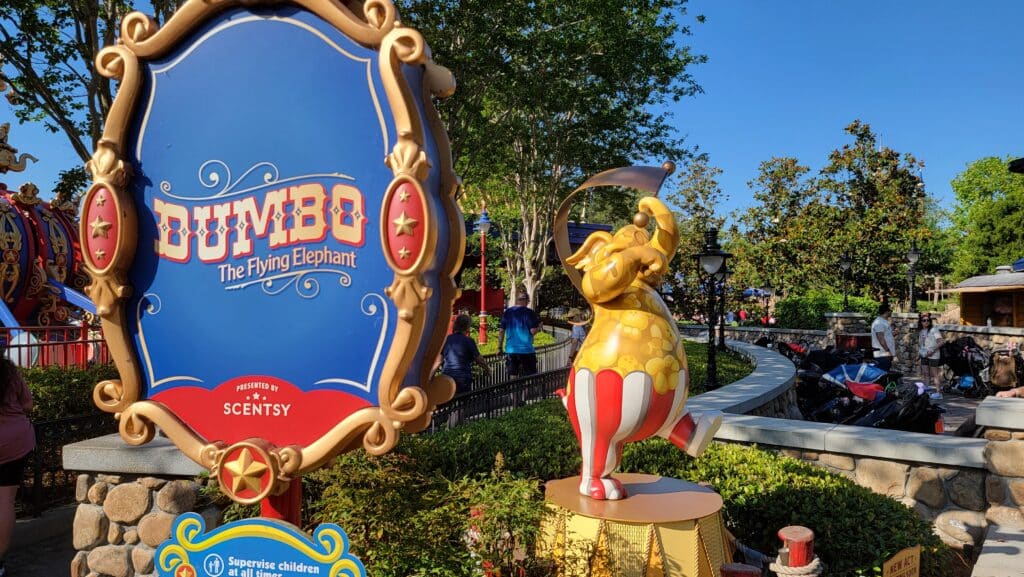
[936, 78]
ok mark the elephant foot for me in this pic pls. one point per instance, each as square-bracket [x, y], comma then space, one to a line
[694, 437]
[561, 394]
[602, 489]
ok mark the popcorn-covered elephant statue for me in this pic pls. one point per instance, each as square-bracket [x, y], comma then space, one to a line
[629, 380]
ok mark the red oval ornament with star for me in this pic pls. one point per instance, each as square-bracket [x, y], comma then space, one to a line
[101, 227]
[405, 225]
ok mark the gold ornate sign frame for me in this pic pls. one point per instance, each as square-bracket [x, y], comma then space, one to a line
[372, 24]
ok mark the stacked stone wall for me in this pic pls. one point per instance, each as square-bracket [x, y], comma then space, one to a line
[955, 500]
[1004, 487]
[122, 519]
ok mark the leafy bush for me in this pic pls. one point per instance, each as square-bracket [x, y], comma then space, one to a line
[402, 502]
[856, 530]
[58, 392]
[808, 311]
[403, 519]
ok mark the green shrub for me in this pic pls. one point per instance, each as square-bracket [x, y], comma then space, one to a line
[856, 530]
[403, 519]
[808, 311]
[59, 392]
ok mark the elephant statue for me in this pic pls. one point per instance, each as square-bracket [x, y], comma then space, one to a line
[9, 161]
[629, 380]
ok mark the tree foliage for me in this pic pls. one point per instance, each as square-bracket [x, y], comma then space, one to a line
[868, 200]
[988, 218]
[550, 93]
[696, 194]
[48, 49]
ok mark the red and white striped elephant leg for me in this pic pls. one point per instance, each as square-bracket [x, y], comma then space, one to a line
[607, 411]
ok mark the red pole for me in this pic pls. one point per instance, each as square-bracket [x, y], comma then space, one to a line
[287, 506]
[482, 337]
[800, 542]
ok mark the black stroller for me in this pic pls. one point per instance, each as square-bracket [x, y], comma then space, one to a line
[968, 365]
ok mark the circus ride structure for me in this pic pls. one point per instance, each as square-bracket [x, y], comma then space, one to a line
[46, 319]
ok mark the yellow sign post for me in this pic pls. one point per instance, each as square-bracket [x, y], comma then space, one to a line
[906, 563]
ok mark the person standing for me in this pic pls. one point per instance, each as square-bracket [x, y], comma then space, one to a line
[458, 355]
[519, 324]
[882, 341]
[578, 334]
[930, 342]
[17, 439]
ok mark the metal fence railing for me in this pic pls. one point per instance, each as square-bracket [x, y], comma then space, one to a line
[46, 483]
[499, 399]
[549, 358]
[61, 346]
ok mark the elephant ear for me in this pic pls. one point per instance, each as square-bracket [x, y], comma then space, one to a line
[586, 257]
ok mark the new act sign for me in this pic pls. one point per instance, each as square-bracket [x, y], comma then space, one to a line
[272, 233]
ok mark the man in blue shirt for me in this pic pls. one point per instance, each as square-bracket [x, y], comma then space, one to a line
[519, 323]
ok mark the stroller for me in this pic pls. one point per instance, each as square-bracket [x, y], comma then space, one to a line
[968, 364]
[1006, 368]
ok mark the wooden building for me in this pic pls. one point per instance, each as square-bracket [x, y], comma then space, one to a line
[992, 299]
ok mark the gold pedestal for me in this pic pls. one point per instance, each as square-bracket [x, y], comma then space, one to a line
[665, 528]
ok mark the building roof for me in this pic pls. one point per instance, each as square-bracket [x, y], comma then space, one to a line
[991, 282]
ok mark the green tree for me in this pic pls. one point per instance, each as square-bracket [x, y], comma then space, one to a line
[771, 237]
[988, 217]
[881, 203]
[696, 194]
[550, 93]
[47, 49]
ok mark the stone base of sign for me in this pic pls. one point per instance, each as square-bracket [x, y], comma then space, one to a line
[128, 499]
[665, 527]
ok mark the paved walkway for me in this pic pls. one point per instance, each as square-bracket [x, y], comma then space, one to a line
[47, 558]
[41, 546]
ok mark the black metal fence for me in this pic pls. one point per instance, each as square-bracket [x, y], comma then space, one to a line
[549, 358]
[499, 399]
[46, 482]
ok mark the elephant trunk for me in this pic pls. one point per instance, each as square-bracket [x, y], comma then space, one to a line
[666, 234]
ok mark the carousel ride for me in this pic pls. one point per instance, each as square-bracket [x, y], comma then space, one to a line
[41, 272]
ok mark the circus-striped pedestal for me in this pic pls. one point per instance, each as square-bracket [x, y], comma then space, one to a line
[665, 528]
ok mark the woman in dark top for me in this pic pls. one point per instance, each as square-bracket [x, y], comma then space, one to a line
[17, 439]
[458, 355]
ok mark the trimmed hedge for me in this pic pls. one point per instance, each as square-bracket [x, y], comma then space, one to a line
[407, 511]
[64, 392]
[808, 311]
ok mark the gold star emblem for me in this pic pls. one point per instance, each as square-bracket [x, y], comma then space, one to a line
[245, 472]
[403, 253]
[99, 227]
[101, 199]
[100, 254]
[404, 224]
[404, 196]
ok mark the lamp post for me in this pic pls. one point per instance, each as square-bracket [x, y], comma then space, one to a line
[913, 255]
[766, 292]
[845, 263]
[709, 262]
[722, 277]
[483, 225]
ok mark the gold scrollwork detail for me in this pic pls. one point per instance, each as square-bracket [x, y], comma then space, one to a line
[408, 158]
[408, 294]
[138, 27]
[136, 429]
[107, 164]
[108, 395]
[110, 62]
